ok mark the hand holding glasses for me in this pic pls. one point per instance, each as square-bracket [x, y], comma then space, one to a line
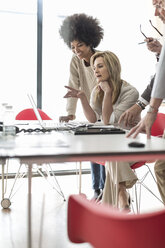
[146, 36]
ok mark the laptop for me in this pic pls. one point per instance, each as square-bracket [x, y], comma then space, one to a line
[50, 124]
[95, 130]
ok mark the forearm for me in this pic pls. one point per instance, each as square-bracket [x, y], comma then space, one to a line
[88, 111]
[71, 106]
[107, 107]
[155, 103]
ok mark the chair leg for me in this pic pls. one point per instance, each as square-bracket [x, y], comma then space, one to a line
[142, 184]
[136, 199]
[5, 202]
[151, 173]
[80, 177]
[145, 186]
[17, 176]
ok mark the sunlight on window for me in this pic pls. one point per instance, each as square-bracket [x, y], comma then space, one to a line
[18, 52]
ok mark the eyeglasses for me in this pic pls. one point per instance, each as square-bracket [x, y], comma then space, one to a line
[142, 32]
[156, 28]
[145, 35]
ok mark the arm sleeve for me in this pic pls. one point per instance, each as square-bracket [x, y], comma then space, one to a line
[97, 107]
[128, 98]
[159, 85]
[74, 82]
[146, 95]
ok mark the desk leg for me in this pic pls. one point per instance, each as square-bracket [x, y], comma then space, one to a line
[117, 184]
[29, 206]
[3, 178]
[5, 202]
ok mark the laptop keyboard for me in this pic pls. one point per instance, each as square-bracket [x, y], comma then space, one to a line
[63, 125]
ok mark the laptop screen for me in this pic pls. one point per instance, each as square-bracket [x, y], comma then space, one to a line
[35, 109]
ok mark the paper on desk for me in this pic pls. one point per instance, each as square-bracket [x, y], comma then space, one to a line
[34, 140]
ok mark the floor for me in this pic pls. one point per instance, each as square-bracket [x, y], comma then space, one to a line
[49, 215]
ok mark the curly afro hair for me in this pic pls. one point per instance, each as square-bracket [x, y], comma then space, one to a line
[82, 28]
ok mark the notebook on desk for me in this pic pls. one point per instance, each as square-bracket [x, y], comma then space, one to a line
[98, 130]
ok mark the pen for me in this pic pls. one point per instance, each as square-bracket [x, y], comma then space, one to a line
[142, 42]
[148, 41]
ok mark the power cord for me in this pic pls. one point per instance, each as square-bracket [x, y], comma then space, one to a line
[30, 130]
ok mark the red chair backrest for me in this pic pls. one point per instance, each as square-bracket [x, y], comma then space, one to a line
[29, 114]
[159, 125]
[104, 227]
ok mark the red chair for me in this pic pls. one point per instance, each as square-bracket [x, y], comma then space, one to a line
[159, 125]
[156, 130]
[28, 114]
[106, 227]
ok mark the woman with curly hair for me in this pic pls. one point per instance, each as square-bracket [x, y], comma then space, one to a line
[82, 34]
[109, 99]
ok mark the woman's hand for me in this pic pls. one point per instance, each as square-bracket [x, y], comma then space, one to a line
[66, 118]
[104, 86]
[129, 117]
[143, 126]
[73, 93]
[107, 107]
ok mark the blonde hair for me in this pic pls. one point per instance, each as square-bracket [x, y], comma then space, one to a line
[114, 68]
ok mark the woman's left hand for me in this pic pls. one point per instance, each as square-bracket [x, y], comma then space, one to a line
[104, 85]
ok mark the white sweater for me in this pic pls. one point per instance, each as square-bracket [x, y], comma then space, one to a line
[127, 97]
[82, 78]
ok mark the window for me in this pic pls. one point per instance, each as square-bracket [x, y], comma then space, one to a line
[18, 49]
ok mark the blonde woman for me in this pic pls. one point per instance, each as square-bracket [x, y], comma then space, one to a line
[109, 99]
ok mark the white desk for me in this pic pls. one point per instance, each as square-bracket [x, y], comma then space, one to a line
[66, 147]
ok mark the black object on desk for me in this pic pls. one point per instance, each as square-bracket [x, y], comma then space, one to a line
[112, 130]
[136, 144]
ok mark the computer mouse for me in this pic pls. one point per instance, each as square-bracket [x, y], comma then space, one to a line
[136, 144]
